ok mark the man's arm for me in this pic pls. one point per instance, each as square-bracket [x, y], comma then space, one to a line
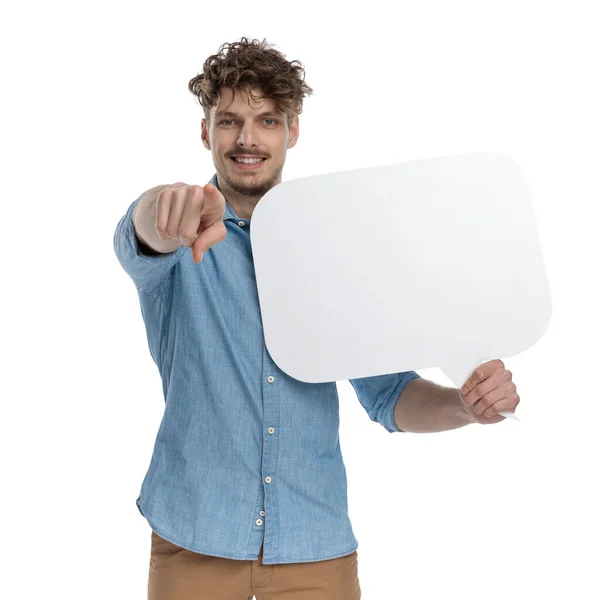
[425, 407]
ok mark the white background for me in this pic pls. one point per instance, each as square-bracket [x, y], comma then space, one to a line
[95, 110]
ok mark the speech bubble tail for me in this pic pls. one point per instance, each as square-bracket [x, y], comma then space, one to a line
[459, 372]
[509, 415]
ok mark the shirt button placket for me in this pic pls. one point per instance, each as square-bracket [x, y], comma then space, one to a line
[268, 479]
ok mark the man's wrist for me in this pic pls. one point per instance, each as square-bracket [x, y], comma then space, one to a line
[466, 410]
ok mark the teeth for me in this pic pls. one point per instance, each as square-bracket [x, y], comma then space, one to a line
[248, 161]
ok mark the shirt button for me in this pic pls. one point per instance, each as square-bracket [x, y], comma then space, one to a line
[270, 379]
[259, 521]
[241, 223]
[268, 479]
[262, 513]
[271, 430]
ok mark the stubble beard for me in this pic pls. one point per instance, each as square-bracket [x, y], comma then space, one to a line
[250, 188]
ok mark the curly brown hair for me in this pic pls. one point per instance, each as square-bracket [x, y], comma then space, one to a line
[252, 64]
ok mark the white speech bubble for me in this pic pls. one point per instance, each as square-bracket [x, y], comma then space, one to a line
[400, 267]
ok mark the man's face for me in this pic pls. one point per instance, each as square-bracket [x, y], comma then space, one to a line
[238, 129]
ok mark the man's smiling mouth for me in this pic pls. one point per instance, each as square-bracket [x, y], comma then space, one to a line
[247, 160]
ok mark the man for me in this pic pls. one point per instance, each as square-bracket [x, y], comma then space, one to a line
[246, 490]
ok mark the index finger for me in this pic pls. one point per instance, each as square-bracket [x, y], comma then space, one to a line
[481, 373]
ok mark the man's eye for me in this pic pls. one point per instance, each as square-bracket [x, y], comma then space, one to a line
[225, 122]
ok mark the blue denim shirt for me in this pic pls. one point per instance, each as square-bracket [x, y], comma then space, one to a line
[244, 454]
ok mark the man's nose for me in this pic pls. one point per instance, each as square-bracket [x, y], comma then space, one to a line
[246, 137]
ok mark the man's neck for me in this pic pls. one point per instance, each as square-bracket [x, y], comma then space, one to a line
[242, 205]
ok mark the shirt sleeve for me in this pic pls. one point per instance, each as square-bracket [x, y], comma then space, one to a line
[379, 394]
[146, 271]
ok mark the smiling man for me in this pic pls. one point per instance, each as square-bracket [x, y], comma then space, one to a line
[246, 491]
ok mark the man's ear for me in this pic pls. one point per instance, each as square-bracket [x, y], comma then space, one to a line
[294, 132]
[204, 134]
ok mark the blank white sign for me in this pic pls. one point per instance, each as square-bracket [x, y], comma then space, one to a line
[400, 267]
